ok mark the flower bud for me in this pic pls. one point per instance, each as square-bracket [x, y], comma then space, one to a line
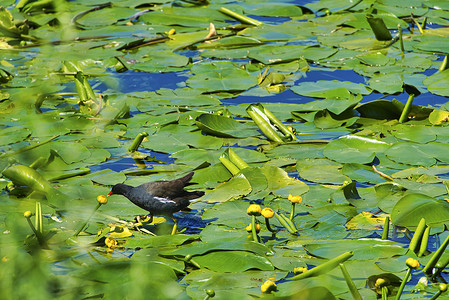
[295, 199]
[412, 263]
[210, 293]
[249, 228]
[102, 199]
[253, 210]
[380, 282]
[267, 213]
[442, 287]
[27, 214]
[268, 287]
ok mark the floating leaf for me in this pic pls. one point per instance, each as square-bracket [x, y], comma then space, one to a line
[439, 117]
[220, 76]
[409, 210]
[233, 261]
[223, 126]
[356, 149]
[236, 187]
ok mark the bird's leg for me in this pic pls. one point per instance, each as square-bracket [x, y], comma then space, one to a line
[175, 226]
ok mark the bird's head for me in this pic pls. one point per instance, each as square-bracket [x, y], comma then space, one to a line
[119, 189]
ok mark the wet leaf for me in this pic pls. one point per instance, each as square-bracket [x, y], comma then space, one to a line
[357, 149]
[409, 210]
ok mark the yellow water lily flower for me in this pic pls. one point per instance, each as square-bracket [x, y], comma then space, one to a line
[380, 282]
[294, 199]
[267, 213]
[254, 210]
[102, 199]
[268, 287]
[249, 228]
[412, 263]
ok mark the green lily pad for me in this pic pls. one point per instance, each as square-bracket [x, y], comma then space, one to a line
[321, 171]
[387, 84]
[409, 210]
[233, 261]
[363, 249]
[357, 149]
[329, 89]
[224, 126]
[235, 188]
[220, 76]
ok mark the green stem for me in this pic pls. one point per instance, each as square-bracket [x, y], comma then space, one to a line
[436, 295]
[30, 147]
[267, 223]
[137, 141]
[436, 256]
[401, 41]
[404, 281]
[384, 293]
[292, 211]
[424, 23]
[418, 25]
[253, 228]
[424, 242]
[69, 174]
[239, 17]
[386, 228]
[378, 26]
[325, 267]
[87, 221]
[189, 259]
[443, 64]
[352, 288]
[418, 235]
[38, 219]
[34, 229]
[407, 109]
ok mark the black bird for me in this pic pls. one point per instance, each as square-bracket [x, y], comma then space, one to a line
[160, 197]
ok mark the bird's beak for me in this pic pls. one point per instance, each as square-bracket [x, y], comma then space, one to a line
[110, 193]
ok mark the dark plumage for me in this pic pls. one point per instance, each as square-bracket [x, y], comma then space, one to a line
[159, 197]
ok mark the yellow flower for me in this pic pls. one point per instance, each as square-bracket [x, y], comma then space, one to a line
[27, 214]
[253, 210]
[442, 287]
[249, 228]
[299, 270]
[268, 287]
[380, 282]
[267, 213]
[110, 242]
[295, 199]
[102, 199]
[412, 263]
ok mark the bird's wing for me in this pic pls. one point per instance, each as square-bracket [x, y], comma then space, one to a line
[168, 189]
